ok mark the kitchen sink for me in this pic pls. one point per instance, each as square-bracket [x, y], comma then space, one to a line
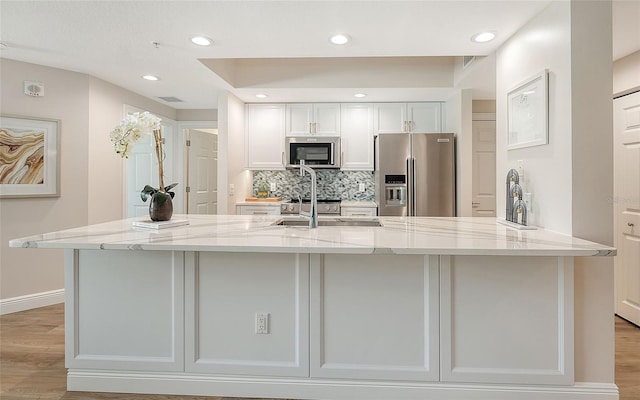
[338, 221]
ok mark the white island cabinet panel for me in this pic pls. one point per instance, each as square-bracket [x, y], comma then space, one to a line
[124, 311]
[507, 320]
[225, 292]
[374, 317]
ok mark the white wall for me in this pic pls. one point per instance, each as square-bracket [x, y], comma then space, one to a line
[27, 271]
[543, 43]
[91, 173]
[458, 119]
[232, 164]
[570, 177]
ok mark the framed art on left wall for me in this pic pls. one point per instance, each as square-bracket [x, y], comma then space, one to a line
[29, 157]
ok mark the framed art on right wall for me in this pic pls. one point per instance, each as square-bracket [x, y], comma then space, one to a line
[527, 113]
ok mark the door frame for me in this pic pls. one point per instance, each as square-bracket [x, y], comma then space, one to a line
[180, 156]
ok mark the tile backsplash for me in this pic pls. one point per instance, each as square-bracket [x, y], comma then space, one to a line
[332, 184]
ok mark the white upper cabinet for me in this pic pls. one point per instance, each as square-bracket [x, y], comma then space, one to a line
[307, 119]
[264, 136]
[357, 138]
[424, 117]
[407, 117]
[390, 117]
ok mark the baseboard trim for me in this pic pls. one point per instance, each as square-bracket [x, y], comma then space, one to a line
[31, 301]
[338, 389]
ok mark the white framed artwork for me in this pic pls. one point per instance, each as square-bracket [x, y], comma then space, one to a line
[527, 113]
[29, 157]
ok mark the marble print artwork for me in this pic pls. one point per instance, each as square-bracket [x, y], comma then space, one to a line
[21, 156]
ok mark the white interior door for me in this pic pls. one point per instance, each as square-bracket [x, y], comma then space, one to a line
[627, 205]
[484, 169]
[202, 154]
[142, 169]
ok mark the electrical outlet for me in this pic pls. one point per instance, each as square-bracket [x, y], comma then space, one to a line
[262, 323]
[232, 189]
[272, 186]
[361, 187]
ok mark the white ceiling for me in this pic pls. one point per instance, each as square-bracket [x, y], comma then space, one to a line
[113, 40]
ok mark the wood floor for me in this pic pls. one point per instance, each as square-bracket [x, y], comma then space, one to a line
[32, 360]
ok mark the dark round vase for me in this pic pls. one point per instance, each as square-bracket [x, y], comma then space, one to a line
[161, 207]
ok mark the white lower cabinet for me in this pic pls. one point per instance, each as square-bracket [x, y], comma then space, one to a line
[374, 317]
[347, 211]
[123, 310]
[258, 209]
[225, 291]
[398, 326]
[507, 320]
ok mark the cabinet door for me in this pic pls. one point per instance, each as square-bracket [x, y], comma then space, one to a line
[224, 294]
[299, 119]
[424, 117]
[258, 210]
[358, 211]
[357, 138]
[370, 322]
[389, 118]
[264, 134]
[326, 119]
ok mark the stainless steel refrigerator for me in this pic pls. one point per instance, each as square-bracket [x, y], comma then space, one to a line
[415, 174]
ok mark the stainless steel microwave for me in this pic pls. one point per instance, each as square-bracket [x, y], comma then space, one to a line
[317, 152]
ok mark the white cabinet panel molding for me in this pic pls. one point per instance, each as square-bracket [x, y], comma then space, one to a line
[140, 326]
[225, 292]
[513, 330]
[370, 322]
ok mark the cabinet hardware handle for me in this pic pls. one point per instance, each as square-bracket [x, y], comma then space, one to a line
[283, 160]
[630, 224]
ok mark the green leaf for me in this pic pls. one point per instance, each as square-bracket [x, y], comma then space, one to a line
[147, 192]
[167, 188]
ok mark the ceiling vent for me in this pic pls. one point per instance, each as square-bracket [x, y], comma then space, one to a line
[171, 99]
[466, 60]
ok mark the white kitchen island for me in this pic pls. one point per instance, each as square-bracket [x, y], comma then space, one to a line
[420, 308]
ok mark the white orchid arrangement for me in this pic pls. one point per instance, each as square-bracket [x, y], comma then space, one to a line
[126, 135]
[131, 129]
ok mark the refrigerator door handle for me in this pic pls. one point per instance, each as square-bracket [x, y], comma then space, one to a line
[413, 187]
[409, 192]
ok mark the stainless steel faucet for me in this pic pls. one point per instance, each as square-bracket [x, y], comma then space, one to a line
[313, 210]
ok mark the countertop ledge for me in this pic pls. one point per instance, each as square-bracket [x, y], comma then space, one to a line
[247, 233]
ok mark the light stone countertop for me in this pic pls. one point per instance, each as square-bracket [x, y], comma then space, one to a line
[252, 233]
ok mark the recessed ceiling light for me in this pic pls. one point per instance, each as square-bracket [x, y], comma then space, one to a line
[201, 40]
[339, 39]
[359, 95]
[483, 37]
[261, 96]
[150, 77]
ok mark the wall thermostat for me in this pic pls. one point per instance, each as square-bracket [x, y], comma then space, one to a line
[35, 89]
